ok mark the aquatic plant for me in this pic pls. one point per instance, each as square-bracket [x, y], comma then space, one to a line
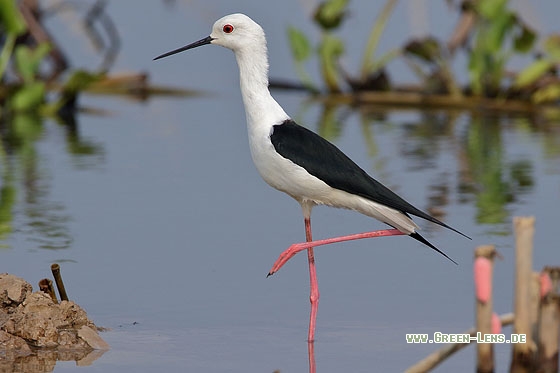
[329, 16]
[488, 32]
[499, 34]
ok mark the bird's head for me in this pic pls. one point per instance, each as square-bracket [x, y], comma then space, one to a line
[235, 31]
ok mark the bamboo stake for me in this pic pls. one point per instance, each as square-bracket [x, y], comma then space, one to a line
[46, 286]
[523, 353]
[483, 268]
[55, 269]
[434, 359]
[549, 323]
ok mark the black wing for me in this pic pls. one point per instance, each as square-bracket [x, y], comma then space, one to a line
[325, 161]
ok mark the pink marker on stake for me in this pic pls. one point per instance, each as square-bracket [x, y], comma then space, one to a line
[483, 278]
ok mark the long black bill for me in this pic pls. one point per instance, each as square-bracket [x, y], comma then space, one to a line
[206, 40]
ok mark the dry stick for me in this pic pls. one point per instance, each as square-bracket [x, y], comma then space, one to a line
[55, 268]
[462, 31]
[435, 358]
[30, 11]
[46, 286]
[522, 358]
[483, 267]
[549, 324]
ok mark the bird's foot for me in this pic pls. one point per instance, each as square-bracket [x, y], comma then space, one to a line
[287, 255]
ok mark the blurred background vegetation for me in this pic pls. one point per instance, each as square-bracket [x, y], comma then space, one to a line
[32, 64]
[489, 32]
[38, 82]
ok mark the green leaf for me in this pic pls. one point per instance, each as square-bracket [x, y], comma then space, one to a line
[499, 28]
[476, 71]
[28, 60]
[523, 42]
[491, 9]
[10, 18]
[41, 52]
[330, 49]
[24, 63]
[427, 49]
[552, 46]
[550, 92]
[29, 97]
[374, 37]
[6, 53]
[330, 13]
[532, 73]
[384, 60]
[301, 48]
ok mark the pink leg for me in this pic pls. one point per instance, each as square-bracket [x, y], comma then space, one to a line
[311, 355]
[314, 295]
[297, 247]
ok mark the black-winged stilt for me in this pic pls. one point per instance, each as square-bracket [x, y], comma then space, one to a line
[299, 162]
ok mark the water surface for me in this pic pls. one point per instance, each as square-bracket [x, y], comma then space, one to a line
[165, 231]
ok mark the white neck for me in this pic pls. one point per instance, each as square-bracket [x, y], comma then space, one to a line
[260, 107]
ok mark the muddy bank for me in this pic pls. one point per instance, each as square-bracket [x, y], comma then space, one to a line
[35, 331]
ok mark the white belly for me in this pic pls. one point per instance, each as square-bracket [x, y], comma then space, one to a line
[288, 177]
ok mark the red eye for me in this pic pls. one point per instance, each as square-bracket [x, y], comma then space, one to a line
[228, 29]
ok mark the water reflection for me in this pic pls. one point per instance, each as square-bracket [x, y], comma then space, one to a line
[484, 171]
[45, 361]
[25, 193]
[489, 174]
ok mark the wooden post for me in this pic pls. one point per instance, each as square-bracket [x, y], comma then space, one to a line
[483, 267]
[523, 353]
[549, 321]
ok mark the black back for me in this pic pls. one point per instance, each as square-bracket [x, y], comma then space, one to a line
[325, 161]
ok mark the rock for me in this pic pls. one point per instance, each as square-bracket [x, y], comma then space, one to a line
[34, 319]
[12, 342]
[43, 323]
[13, 290]
[93, 339]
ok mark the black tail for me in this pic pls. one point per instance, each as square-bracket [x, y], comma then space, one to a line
[434, 220]
[428, 217]
[418, 237]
